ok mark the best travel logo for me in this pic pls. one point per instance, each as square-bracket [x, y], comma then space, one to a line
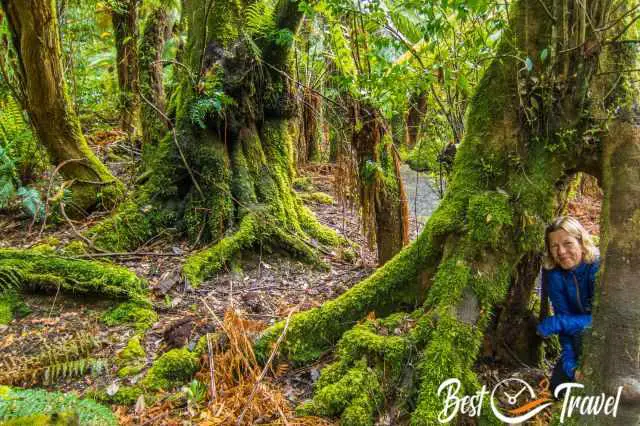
[514, 401]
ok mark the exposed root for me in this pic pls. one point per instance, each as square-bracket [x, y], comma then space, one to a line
[256, 227]
[38, 271]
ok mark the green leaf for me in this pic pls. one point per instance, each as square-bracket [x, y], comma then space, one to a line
[544, 54]
[529, 64]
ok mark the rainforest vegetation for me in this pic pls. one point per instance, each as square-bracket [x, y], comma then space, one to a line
[309, 212]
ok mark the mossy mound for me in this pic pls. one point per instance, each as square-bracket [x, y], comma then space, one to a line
[172, 369]
[37, 406]
[131, 360]
[136, 314]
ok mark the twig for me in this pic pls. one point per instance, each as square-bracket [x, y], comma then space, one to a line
[212, 369]
[266, 367]
[46, 201]
[546, 9]
[118, 254]
[75, 231]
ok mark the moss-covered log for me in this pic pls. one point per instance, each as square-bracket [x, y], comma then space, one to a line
[38, 64]
[490, 222]
[229, 154]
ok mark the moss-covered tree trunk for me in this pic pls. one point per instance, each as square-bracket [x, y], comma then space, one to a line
[487, 231]
[153, 102]
[223, 174]
[384, 203]
[124, 16]
[612, 351]
[35, 39]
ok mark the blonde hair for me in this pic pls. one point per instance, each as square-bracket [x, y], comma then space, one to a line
[576, 230]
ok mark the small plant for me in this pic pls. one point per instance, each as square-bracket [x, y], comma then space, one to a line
[196, 391]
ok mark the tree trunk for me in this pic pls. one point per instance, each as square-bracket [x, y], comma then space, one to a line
[415, 116]
[153, 105]
[124, 17]
[384, 203]
[227, 163]
[34, 31]
[612, 351]
[474, 246]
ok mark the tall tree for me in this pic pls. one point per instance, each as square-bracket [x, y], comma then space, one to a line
[153, 107]
[227, 163]
[43, 93]
[532, 122]
[124, 15]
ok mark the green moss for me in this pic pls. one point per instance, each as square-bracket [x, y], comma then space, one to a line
[131, 359]
[73, 276]
[489, 215]
[12, 305]
[126, 395]
[75, 248]
[316, 197]
[132, 224]
[303, 183]
[133, 351]
[356, 396]
[450, 352]
[55, 419]
[206, 262]
[140, 316]
[170, 370]
[19, 405]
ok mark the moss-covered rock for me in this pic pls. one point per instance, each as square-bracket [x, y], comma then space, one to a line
[140, 316]
[131, 360]
[172, 369]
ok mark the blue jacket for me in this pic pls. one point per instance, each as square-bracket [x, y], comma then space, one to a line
[571, 294]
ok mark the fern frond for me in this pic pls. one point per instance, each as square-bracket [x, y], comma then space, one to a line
[260, 18]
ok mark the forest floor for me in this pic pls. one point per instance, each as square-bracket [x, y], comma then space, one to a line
[260, 286]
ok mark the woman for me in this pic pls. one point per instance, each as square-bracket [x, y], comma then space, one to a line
[570, 266]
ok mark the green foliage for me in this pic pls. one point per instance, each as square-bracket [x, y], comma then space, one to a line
[19, 403]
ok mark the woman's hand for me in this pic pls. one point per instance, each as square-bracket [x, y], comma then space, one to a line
[578, 376]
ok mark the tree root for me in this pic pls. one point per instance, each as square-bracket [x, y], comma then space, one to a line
[33, 270]
[256, 227]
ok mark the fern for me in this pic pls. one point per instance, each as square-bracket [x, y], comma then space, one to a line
[71, 359]
[31, 202]
[10, 280]
[260, 18]
[23, 403]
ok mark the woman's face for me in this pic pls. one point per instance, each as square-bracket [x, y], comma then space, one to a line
[566, 250]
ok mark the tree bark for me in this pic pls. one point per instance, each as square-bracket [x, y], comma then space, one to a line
[35, 36]
[153, 102]
[384, 203]
[125, 20]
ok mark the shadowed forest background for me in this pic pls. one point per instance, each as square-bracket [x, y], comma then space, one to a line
[288, 212]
